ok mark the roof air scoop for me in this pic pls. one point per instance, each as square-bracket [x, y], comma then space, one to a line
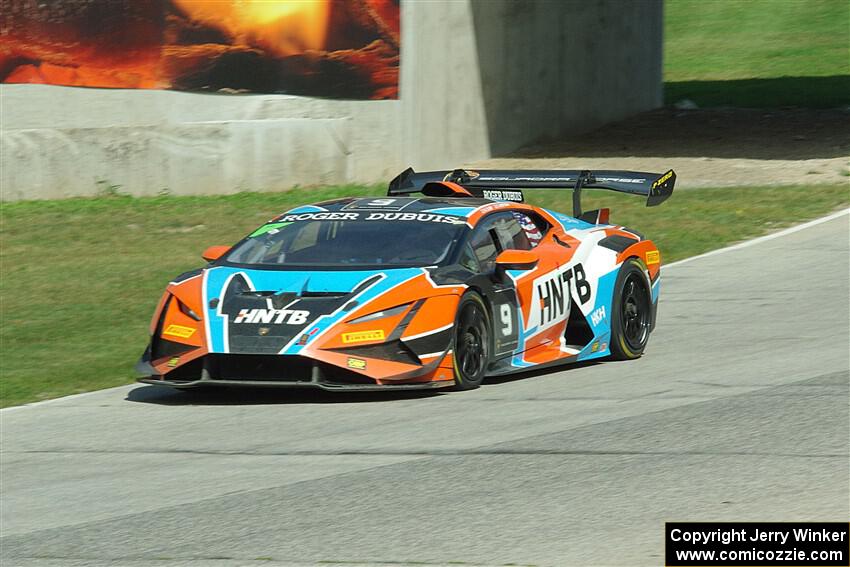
[444, 189]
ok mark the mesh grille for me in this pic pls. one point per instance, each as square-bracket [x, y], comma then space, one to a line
[259, 367]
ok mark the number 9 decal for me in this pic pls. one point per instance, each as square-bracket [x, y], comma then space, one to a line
[507, 319]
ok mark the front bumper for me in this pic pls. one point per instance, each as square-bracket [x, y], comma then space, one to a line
[284, 371]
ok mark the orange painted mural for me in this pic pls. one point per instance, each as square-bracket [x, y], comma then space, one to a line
[345, 49]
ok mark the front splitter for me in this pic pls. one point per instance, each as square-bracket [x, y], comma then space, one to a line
[320, 385]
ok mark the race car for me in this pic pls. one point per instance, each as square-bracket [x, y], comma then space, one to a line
[447, 280]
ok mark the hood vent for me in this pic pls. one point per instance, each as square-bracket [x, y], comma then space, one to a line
[325, 294]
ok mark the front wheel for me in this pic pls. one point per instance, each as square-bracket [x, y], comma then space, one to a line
[471, 342]
[632, 312]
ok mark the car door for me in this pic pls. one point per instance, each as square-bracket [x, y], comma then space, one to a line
[542, 306]
[510, 294]
[486, 242]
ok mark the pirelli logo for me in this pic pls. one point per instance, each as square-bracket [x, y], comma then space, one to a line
[179, 331]
[661, 180]
[363, 336]
[653, 257]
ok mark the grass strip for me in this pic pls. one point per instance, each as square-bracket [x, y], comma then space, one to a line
[81, 277]
[757, 53]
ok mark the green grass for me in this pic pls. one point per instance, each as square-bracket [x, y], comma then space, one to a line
[81, 277]
[757, 53]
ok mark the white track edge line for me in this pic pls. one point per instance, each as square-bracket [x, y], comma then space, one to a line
[65, 398]
[760, 239]
[745, 244]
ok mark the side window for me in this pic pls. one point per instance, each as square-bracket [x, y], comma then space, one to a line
[485, 244]
[532, 228]
[502, 231]
[511, 234]
[468, 259]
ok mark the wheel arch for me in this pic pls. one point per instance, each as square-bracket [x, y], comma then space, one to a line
[647, 252]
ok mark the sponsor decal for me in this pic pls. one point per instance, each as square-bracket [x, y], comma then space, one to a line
[594, 347]
[662, 179]
[618, 180]
[502, 195]
[603, 346]
[306, 336]
[316, 216]
[357, 363]
[272, 316]
[598, 315]
[372, 216]
[362, 336]
[172, 362]
[554, 302]
[559, 179]
[653, 257]
[553, 291]
[416, 217]
[580, 285]
[179, 331]
[271, 228]
[483, 210]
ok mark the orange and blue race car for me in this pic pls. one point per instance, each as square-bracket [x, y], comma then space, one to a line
[448, 279]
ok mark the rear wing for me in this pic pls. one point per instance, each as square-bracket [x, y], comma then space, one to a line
[504, 184]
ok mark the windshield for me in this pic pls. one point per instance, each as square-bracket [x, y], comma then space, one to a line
[342, 239]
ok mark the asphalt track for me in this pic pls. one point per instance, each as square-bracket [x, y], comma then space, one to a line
[738, 411]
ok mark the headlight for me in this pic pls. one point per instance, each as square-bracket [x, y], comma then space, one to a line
[381, 314]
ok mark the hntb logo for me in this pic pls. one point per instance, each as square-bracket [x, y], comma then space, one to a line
[273, 316]
[554, 302]
[554, 293]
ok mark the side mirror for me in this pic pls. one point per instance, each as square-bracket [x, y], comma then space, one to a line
[213, 253]
[517, 260]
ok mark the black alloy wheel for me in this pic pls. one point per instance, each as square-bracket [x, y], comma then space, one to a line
[635, 312]
[472, 342]
[632, 312]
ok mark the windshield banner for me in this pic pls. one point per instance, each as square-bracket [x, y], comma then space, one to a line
[373, 216]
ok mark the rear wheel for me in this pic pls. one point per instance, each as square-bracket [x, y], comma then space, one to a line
[471, 342]
[632, 312]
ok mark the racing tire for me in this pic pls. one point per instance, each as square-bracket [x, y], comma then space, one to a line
[631, 320]
[471, 342]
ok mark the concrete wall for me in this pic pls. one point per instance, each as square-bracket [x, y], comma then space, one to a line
[60, 141]
[566, 66]
[478, 78]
